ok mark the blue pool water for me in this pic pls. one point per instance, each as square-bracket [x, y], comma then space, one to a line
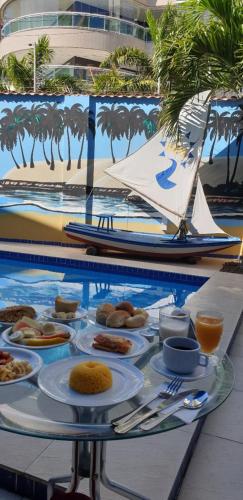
[38, 285]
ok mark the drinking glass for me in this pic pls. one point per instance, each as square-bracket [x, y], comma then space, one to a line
[173, 321]
[209, 329]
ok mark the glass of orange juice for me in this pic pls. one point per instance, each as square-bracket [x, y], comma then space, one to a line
[209, 329]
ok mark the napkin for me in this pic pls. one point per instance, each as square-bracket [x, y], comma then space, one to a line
[186, 416]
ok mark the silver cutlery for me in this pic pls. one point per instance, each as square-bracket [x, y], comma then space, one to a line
[171, 389]
[193, 401]
[127, 426]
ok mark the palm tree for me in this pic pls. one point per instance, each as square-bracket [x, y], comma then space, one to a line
[53, 117]
[205, 52]
[230, 132]
[238, 142]
[213, 131]
[69, 120]
[35, 115]
[8, 140]
[110, 121]
[133, 122]
[151, 123]
[82, 130]
[18, 120]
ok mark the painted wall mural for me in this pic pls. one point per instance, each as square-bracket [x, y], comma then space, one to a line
[54, 150]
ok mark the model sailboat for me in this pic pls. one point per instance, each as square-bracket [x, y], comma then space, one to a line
[163, 174]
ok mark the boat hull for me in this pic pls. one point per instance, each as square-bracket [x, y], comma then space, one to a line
[147, 244]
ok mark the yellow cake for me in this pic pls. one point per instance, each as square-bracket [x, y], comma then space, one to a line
[90, 377]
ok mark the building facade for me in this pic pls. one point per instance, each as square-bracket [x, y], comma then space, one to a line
[82, 33]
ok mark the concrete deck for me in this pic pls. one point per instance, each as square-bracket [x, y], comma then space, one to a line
[151, 465]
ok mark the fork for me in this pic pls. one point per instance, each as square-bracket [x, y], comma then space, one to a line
[171, 389]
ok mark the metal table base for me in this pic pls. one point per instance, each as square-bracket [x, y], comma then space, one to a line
[88, 461]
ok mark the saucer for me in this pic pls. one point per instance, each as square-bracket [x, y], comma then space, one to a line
[158, 365]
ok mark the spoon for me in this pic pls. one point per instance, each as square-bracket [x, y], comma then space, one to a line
[193, 401]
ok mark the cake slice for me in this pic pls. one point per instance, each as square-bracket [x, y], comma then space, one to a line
[112, 343]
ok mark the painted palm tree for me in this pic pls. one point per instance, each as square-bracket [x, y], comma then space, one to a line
[213, 131]
[132, 121]
[33, 125]
[151, 123]
[238, 143]
[230, 132]
[109, 119]
[69, 120]
[52, 121]
[17, 119]
[82, 131]
[8, 140]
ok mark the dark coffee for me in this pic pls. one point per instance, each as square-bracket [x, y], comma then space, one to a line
[183, 348]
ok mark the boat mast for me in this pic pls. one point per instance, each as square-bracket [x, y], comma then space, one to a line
[183, 230]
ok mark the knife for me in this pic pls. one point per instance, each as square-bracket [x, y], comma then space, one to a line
[127, 426]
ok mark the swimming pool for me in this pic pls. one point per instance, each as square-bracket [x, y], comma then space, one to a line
[39, 284]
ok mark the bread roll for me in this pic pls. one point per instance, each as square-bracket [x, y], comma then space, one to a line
[101, 317]
[106, 308]
[135, 321]
[141, 311]
[125, 306]
[117, 319]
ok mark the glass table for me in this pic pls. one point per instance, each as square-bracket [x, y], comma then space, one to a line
[25, 410]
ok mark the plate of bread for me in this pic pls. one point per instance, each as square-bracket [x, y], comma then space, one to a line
[112, 344]
[17, 365]
[88, 381]
[122, 315]
[32, 334]
[9, 315]
[65, 311]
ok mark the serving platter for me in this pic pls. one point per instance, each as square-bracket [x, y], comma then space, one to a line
[48, 314]
[58, 326]
[92, 320]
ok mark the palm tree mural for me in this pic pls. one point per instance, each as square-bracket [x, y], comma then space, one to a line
[213, 131]
[8, 140]
[69, 120]
[52, 121]
[238, 143]
[151, 123]
[33, 125]
[230, 131]
[133, 123]
[82, 131]
[17, 119]
[110, 121]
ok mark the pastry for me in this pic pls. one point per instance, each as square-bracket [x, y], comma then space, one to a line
[141, 311]
[90, 377]
[14, 313]
[117, 319]
[135, 321]
[125, 306]
[101, 317]
[63, 305]
[106, 308]
[112, 343]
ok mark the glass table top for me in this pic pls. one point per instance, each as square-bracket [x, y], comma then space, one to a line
[25, 409]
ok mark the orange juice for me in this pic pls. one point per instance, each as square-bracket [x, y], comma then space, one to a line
[208, 332]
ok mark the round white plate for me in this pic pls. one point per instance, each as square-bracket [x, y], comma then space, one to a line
[64, 328]
[158, 365]
[84, 344]
[53, 381]
[92, 321]
[23, 355]
[47, 313]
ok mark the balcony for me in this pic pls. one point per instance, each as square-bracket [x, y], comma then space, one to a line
[76, 20]
[86, 73]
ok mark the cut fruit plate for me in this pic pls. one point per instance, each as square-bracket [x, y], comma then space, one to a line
[30, 334]
[53, 380]
[92, 320]
[23, 355]
[138, 347]
[50, 314]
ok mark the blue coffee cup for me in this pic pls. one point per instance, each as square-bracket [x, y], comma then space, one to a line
[182, 354]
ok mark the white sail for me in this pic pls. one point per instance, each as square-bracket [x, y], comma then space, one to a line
[202, 221]
[161, 172]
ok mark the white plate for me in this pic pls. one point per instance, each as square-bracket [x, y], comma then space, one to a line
[53, 381]
[84, 344]
[92, 321]
[158, 365]
[65, 328]
[47, 313]
[23, 355]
